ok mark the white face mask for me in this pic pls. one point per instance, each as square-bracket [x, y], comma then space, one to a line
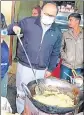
[47, 20]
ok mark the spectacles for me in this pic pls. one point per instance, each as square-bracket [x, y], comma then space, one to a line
[49, 15]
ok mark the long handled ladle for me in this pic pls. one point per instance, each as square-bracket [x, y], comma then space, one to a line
[38, 89]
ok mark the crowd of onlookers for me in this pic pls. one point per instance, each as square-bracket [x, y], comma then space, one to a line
[66, 8]
[62, 8]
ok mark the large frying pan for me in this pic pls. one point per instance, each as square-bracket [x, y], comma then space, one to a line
[52, 83]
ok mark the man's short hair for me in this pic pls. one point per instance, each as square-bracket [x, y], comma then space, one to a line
[75, 15]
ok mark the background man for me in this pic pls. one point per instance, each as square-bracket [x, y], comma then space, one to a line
[72, 47]
[36, 11]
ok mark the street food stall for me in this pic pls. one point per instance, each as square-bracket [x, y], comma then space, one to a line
[49, 95]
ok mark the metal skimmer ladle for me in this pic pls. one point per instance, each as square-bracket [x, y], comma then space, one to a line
[38, 89]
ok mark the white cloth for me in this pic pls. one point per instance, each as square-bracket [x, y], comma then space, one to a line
[5, 105]
[25, 75]
[81, 113]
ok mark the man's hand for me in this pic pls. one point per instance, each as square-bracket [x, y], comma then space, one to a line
[17, 29]
[47, 74]
[26, 111]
